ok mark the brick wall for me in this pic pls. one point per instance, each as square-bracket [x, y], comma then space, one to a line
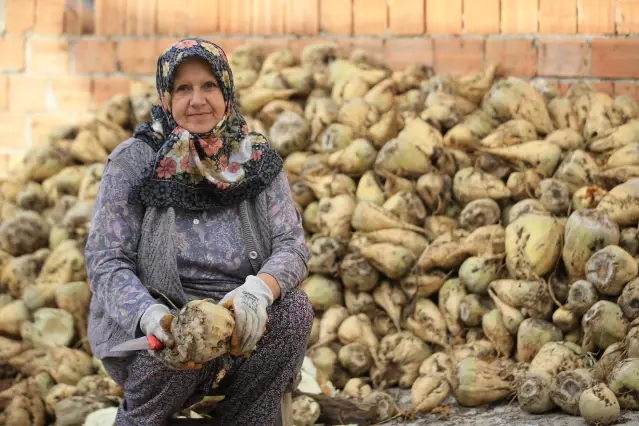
[60, 59]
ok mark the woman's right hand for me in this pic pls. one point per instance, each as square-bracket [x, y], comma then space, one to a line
[156, 321]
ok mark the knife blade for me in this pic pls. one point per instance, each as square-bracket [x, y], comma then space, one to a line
[139, 344]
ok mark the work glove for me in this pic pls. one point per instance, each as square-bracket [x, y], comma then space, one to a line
[249, 302]
[156, 321]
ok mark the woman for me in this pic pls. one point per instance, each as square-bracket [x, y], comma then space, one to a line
[196, 206]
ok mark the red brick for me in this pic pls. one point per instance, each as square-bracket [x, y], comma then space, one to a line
[558, 17]
[481, 16]
[336, 16]
[94, 56]
[162, 43]
[72, 94]
[140, 17]
[71, 20]
[49, 56]
[28, 94]
[302, 17]
[267, 17]
[111, 16]
[563, 57]
[519, 16]
[625, 88]
[20, 16]
[604, 86]
[401, 52]
[235, 17]
[104, 88]
[49, 17]
[13, 127]
[502, 52]
[372, 46]
[203, 16]
[564, 86]
[615, 58]
[407, 17]
[137, 56]
[628, 13]
[172, 18]
[4, 92]
[12, 57]
[443, 16]
[458, 56]
[596, 16]
[78, 18]
[369, 17]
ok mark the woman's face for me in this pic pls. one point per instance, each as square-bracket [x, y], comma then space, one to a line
[197, 102]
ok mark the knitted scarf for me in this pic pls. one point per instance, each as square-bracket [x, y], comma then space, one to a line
[220, 168]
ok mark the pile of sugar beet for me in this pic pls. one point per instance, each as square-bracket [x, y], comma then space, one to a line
[472, 236]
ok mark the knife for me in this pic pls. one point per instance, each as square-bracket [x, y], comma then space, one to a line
[141, 343]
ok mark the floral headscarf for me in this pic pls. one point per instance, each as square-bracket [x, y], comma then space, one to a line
[199, 171]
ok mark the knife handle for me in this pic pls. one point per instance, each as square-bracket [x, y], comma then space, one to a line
[154, 343]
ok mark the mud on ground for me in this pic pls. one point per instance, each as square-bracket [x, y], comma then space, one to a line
[497, 415]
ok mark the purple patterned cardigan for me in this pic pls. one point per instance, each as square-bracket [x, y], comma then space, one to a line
[183, 254]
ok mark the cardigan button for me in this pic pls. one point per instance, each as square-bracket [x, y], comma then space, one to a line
[196, 221]
[253, 254]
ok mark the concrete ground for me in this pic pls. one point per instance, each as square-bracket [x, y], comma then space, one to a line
[498, 415]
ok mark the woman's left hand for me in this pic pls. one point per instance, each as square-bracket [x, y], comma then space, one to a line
[250, 301]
